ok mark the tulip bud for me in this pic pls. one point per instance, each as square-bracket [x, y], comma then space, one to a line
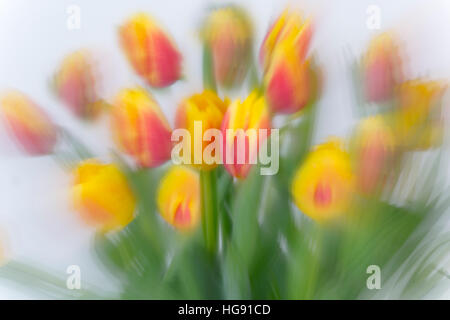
[373, 147]
[206, 109]
[288, 74]
[140, 128]
[102, 196]
[76, 85]
[151, 52]
[28, 123]
[178, 198]
[241, 133]
[322, 187]
[418, 120]
[382, 69]
[228, 33]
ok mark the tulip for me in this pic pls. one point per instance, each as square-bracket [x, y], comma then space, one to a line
[381, 69]
[150, 51]
[207, 109]
[228, 33]
[102, 196]
[252, 114]
[288, 74]
[140, 128]
[373, 146]
[418, 120]
[76, 84]
[28, 123]
[4, 254]
[322, 186]
[178, 198]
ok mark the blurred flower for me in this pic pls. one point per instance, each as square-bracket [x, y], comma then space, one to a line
[418, 120]
[373, 148]
[228, 33]
[76, 85]
[140, 128]
[382, 68]
[28, 123]
[102, 196]
[207, 109]
[287, 72]
[179, 197]
[4, 254]
[322, 186]
[253, 113]
[150, 51]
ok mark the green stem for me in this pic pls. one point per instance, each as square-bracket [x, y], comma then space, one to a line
[255, 82]
[209, 209]
[209, 82]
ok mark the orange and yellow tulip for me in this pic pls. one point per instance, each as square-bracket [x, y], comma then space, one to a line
[178, 198]
[323, 185]
[382, 68]
[207, 109]
[418, 120]
[373, 149]
[76, 84]
[251, 114]
[102, 196]
[288, 74]
[140, 128]
[151, 52]
[28, 123]
[228, 33]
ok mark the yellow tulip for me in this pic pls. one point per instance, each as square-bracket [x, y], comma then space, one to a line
[102, 196]
[178, 198]
[289, 76]
[251, 114]
[418, 120]
[322, 187]
[205, 108]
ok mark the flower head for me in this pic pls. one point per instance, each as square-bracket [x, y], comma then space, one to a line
[151, 52]
[241, 132]
[207, 110]
[288, 73]
[140, 128]
[228, 33]
[178, 198]
[102, 196]
[28, 123]
[382, 68]
[418, 120]
[322, 186]
[373, 151]
[76, 84]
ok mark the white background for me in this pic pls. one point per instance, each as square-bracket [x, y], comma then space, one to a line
[36, 221]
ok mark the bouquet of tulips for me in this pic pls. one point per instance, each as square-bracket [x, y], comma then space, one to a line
[249, 210]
